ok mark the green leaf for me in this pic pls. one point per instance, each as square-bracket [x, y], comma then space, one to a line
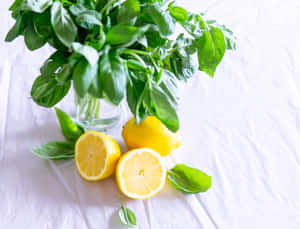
[89, 53]
[42, 24]
[48, 93]
[178, 13]
[38, 6]
[230, 38]
[189, 180]
[135, 96]
[182, 66]
[33, 40]
[63, 24]
[125, 34]
[55, 150]
[77, 9]
[162, 19]
[127, 217]
[52, 64]
[70, 129]
[16, 4]
[88, 18]
[163, 106]
[129, 11]
[16, 30]
[154, 38]
[83, 75]
[112, 77]
[211, 49]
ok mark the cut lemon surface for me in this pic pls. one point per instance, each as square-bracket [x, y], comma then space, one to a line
[141, 173]
[96, 155]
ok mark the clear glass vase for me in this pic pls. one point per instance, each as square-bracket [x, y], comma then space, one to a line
[96, 114]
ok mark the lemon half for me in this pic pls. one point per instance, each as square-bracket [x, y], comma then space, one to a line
[141, 173]
[96, 155]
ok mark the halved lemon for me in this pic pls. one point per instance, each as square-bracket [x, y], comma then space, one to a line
[141, 173]
[96, 155]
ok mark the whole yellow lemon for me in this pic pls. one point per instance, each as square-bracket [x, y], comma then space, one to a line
[150, 133]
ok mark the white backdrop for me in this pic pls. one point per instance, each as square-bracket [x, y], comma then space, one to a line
[242, 127]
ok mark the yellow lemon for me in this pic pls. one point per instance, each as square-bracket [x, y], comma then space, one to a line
[141, 173]
[150, 133]
[96, 155]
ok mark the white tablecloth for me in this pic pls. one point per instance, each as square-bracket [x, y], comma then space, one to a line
[242, 128]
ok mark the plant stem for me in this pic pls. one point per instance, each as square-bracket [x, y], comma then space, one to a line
[128, 51]
[107, 6]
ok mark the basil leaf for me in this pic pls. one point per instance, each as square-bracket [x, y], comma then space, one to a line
[77, 9]
[163, 106]
[48, 93]
[83, 75]
[230, 38]
[33, 40]
[189, 180]
[63, 24]
[178, 13]
[16, 30]
[162, 19]
[125, 34]
[182, 66]
[16, 4]
[88, 18]
[38, 6]
[89, 53]
[55, 150]
[129, 11]
[112, 77]
[52, 64]
[154, 38]
[135, 96]
[70, 129]
[127, 217]
[42, 24]
[211, 49]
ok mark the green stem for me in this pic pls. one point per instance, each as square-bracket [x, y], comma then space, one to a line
[107, 6]
[127, 51]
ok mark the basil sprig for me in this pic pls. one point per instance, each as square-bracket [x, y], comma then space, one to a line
[126, 216]
[113, 48]
[189, 180]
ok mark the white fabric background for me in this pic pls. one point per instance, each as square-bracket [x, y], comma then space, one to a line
[242, 127]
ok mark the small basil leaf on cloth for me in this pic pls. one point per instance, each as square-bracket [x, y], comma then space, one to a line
[63, 24]
[55, 150]
[70, 129]
[83, 75]
[162, 19]
[189, 180]
[211, 49]
[48, 93]
[127, 216]
[129, 10]
[89, 53]
[16, 30]
[38, 6]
